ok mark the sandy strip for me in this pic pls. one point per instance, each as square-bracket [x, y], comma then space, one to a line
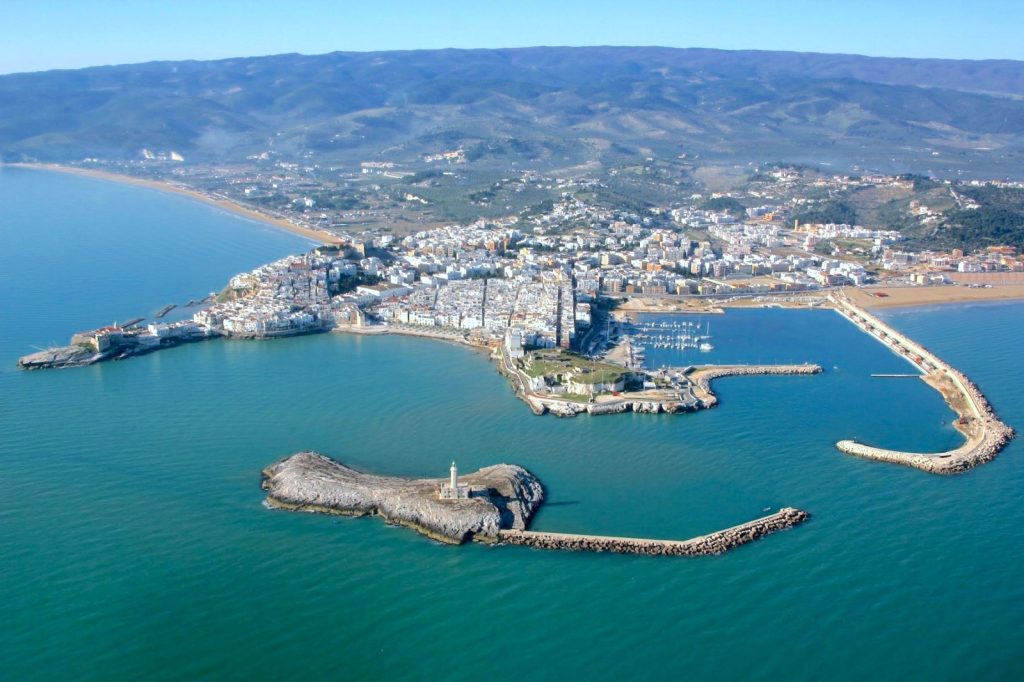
[932, 295]
[163, 186]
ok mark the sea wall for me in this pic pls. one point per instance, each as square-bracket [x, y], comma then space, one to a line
[956, 461]
[986, 435]
[706, 545]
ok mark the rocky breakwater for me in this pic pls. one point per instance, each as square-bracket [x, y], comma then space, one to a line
[706, 545]
[986, 435]
[703, 376]
[504, 496]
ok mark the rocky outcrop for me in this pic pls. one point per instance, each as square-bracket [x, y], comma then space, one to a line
[569, 408]
[705, 545]
[65, 356]
[504, 496]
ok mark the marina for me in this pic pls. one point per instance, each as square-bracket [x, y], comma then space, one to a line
[676, 335]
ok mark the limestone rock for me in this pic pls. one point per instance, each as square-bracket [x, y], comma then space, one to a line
[505, 496]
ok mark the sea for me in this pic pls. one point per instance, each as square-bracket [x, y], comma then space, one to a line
[134, 543]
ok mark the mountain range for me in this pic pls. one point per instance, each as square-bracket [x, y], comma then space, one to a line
[545, 107]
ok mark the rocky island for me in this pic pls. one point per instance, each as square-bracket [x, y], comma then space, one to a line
[492, 505]
[504, 496]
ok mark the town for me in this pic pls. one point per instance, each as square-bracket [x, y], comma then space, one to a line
[550, 292]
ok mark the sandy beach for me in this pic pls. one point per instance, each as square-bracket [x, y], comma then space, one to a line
[182, 190]
[932, 295]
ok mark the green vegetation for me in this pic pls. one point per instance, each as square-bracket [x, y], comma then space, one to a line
[834, 211]
[560, 364]
[998, 220]
[922, 183]
[825, 248]
[725, 204]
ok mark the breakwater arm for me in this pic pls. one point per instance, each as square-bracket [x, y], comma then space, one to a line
[704, 545]
[703, 376]
[986, 435]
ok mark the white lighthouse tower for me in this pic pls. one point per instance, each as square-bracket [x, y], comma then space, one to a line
[453, 490]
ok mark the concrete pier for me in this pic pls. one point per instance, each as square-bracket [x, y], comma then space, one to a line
[986, 435]
[718, 542]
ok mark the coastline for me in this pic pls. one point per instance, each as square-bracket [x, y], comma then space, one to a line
[182, 190]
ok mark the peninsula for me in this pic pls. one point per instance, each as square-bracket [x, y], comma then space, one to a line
[530, 328]
[492, 505]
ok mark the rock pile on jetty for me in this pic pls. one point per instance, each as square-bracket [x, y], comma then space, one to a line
[705, 545]
[504, 496]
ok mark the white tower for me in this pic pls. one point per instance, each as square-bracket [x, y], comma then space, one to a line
[453, 490]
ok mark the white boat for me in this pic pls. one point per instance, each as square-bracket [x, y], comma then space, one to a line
[705, 345]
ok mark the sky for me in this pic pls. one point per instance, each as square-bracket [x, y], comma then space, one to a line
[47, 34]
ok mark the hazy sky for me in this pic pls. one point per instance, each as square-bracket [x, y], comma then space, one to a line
[47, 34]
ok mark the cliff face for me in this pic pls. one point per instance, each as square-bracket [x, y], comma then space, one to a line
[505, 496]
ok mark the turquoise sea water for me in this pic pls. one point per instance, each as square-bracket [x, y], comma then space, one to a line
[133, 542]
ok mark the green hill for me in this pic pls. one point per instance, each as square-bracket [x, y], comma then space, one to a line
[548, 107]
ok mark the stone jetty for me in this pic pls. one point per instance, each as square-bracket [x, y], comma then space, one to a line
[705, 545]
[702, 376]
[504, 496]
[986, 435]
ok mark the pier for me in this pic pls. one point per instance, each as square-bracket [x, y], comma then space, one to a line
[986, 434]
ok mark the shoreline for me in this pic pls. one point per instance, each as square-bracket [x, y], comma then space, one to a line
[182, 190]
[919, 297]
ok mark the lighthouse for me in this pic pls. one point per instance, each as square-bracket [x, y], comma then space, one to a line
[453, 490]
